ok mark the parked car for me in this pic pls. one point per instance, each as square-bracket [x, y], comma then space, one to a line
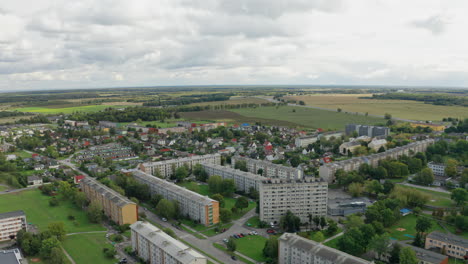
[233, 258]
[164, 219]
[225, 240]
[271, 231]
[254, 232]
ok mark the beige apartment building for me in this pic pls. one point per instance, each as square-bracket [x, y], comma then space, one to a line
[196, 206]
[166, 167]
[115, 206]
[301, 197]
[156, 247]
[450, 244]
[270, 170]
[243, 180]
[294, 249]
[328, 170]
[11, 223]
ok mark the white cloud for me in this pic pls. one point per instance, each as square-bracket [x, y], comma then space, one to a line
[84, 43]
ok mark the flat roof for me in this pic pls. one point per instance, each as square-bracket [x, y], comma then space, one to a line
[12, 214]
[449, 238]
[110, 194]
[149, 164]
[10, 256]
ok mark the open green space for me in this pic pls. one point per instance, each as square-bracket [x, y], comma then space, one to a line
[212, 231]
[252, 247]
[408, 223]
[22, 154]
[65, 110]
[308, 117]
[87, 248]
[40, 213]
[438, 199]
[223, 248]
[310, 234]
[3, 188]
[254, 221]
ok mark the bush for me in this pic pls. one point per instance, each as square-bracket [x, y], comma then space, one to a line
[117, 238]
[71, 217]
[53, 202]
[109, 252]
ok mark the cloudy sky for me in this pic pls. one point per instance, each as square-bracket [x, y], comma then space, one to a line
[49, 44]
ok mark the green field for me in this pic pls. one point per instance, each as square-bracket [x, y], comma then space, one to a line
[438, 199]
[87, 248]
[409, 223]
[39, 213]
[308, 117]
[406, 109]
[252, 247]
[65, 110]
[254, 222]
[3, 188]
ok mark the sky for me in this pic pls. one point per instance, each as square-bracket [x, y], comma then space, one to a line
[52, 44]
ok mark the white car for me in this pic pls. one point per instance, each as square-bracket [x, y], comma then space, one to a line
[254, 232]
[164, 219]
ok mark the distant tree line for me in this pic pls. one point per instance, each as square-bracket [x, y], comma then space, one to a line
[435, 99]
[189, 99]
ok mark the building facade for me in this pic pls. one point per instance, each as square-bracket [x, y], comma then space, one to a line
[270, 170]
[165, 168]
[11, 223]
[116, 206]
[438, 169]
[243, 180]
[328, 170]
[156, 247]
[196, 206]
[294, 249]
[302, 142]
[365, 130]
[450, 244]
[301, 197]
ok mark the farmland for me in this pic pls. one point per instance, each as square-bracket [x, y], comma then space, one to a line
[233, 101]
[65, 110]
[397, 108]
[307, 117]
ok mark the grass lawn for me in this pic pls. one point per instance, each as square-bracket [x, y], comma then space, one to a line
[3, 188]
[212, 232]
[65, 110]
[22, 154]
[409, 223]
[223, 248]
[397, 108]
[310, 235]
[254, 221]
[31, 172]
[252, 247]
[36, 206]
[87, 248]
[308, 117]
[332, 243]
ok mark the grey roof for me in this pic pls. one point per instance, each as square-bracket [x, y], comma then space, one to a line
[424, 254]
[187, 159]
[110, 194]
[318, 249]
[33, 178]
[449, 238]
[234, 171]
[168, 244]
[9, 256]
[12, 214]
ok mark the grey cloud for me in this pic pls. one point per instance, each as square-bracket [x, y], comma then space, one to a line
[435, 24]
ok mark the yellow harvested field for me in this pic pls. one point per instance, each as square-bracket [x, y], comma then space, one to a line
[397, 108]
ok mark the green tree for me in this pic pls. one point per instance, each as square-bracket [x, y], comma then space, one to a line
[373, 187]
[270, 250]
[451, 168]
[423, 224]
[356, 189]
[225, 215]
[53, 201]
[380, 244]
[408, 256]
[80, 199]
[414, 165]
[56, 256]
[231, 244]
[215, 184]
[425, 177]
[57, 229]
[459, 195]
[94, 212]
[228, 187]
[318, 236]
[169, 232]
[353, 221]
[181, 173]
[395, 254]
[290, 222]
[242, 203]
[218, 197]
[241, 165]
[47, 245]
[165, 209]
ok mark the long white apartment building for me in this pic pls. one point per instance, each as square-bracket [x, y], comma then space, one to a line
[243, 180]
[328, 170]
[270, 170]
[156, 247]
[166, 167]
[294, 249]
[196, 206]
[11, 223]
[301, 197]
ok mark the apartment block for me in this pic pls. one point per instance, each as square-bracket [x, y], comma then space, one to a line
[166, 167]
[270, 170]
[11, 223]
[196, 206]
[156, 247]
[450, 244]
[328, 170]
[302, 142]
[243, 180]
[294, 249]
[365, 130]
[116, 206]
[438, 169]
[301, 197]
